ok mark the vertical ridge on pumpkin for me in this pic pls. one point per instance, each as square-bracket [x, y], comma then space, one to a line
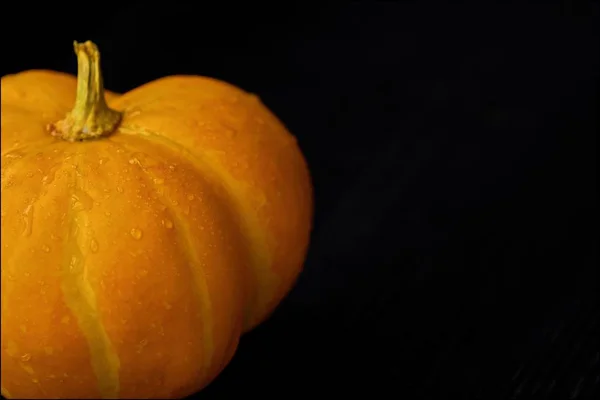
[250, 228]
[199, 283]
[81, 299]
[207, 233]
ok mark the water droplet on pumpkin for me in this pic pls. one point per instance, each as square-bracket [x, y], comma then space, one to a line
[75, 264]
[94, 246]
[82, 201]
[28, 220]
[103, 160]
[120, 189]
[26, 357]
[13, 155]
[190, 197]
[45, 249]
[168, 223]
[159, 181]
[136, 233]
[141, 345]
[107, 213]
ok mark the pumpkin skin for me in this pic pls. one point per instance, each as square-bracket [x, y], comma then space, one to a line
[133, 262]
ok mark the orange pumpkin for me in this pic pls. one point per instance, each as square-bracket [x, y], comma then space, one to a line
[143, 233]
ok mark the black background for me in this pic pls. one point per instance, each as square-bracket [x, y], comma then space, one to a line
[453, 152]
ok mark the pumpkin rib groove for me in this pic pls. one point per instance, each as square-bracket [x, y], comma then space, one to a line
[251, 231]
[200, 286]
[81, 300]
[214, 366]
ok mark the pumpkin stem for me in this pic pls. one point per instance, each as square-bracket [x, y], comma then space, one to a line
[91, 117]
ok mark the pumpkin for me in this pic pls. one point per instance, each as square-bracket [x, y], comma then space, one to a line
[143, 233]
